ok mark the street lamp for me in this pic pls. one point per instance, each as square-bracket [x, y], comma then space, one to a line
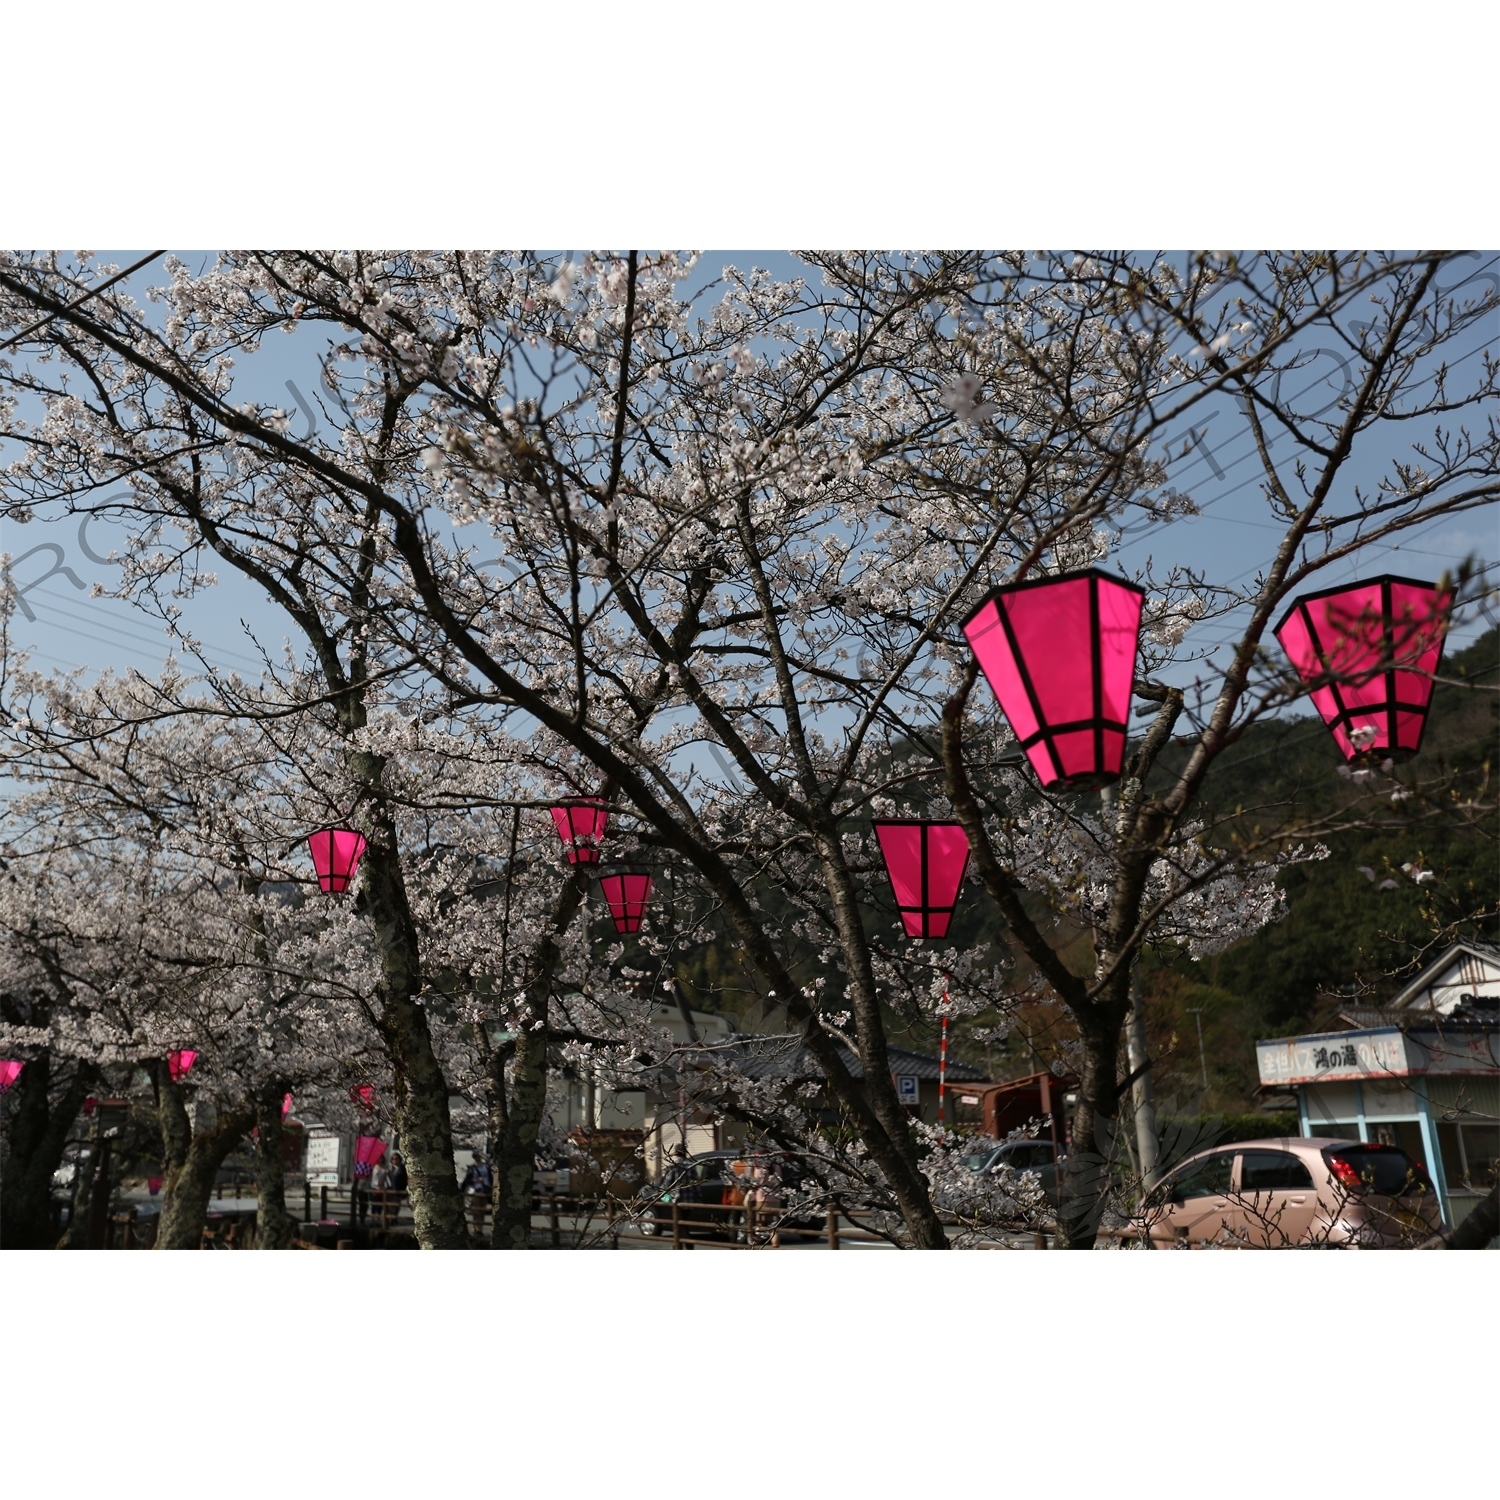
[1059, 654]
[1371, 648]
[627, 892]
[580, 825]
[336, 853]
[1197, 1014]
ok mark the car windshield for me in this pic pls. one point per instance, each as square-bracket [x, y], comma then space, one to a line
[1382, 1169]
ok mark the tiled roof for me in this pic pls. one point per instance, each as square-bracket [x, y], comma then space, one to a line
[788, 1057]
[1372, 1018]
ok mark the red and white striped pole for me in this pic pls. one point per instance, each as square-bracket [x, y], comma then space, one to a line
[943, 1064]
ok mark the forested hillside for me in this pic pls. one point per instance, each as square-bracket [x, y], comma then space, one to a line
[1343, 935]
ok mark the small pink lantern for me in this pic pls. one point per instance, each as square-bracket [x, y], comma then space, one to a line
[363, 1094]
[153, 1185]
[286, 1105]
[368, 1149]
[10, 1070]
[1375, 646]
[627, 892]
[336, 853]
[180, 1064]
[89, 1106]
[580, 825]
[1059, 654]
[925, 863]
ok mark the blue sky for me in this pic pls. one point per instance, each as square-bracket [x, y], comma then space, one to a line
[1230, 539]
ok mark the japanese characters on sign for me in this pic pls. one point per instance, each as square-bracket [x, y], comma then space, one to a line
[1359, 1054]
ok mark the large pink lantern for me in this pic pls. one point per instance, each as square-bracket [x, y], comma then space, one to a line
[580, 825]
[1373, 646]
[1059, 654]
[336, 853]
[10, 1070]
[627, 892]
[925, 863]
[368, 1149]
[180, 1064]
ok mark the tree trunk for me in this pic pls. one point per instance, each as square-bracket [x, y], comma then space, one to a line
[186, 1192]
[36, 1133]
[1476, 1231]
[514, 1152]
[274, 1228]
[515, 1163]
[1085, 1182]
[171, 1117]
[421, 1089]
[910, 1187]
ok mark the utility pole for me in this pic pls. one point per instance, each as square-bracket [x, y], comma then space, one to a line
[1141, 1091]
[1197, 1013]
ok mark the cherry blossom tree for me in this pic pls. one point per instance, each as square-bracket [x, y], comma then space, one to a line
[709, 555]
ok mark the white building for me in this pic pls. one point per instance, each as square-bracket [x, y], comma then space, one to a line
[1422, 1073]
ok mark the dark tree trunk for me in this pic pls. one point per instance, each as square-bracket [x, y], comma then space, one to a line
[274, 1227]
[515, 1160]
[187, 1190]
[514, 1151]
[172, 1118]
[36, 1133]
[1086, 1177]
[425, 1128]
[421, 1089]
[1476, 1231]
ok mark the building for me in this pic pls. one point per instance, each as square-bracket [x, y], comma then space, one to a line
[1422, 1073]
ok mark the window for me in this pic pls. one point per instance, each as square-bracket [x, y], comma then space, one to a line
[1207, 1178]
[1381, 1169]
[1272, 1171]
[1469, 1154]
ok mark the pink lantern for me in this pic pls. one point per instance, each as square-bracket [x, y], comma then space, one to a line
[286, 1105]
[363, 1094]
[90, 1105]
[925, 863]
[1059, 654]
[180, 1064]
[10, 1070]
[336, 853]
[368, 1149]
[1374, 645]
[153, 1185]
[627, 892]
[580, 825]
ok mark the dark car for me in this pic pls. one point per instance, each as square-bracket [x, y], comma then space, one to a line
[709, 1191]
[1020, 1156]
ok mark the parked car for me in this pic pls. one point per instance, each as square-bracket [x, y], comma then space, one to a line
[1295, 1191]
[1020, 1156]
[711, 1180]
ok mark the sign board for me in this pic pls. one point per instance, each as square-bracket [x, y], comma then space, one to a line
[908, 1089]
[324, 1155]
[1384, 1054]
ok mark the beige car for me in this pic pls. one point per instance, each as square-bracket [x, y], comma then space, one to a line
[1294, 1191]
